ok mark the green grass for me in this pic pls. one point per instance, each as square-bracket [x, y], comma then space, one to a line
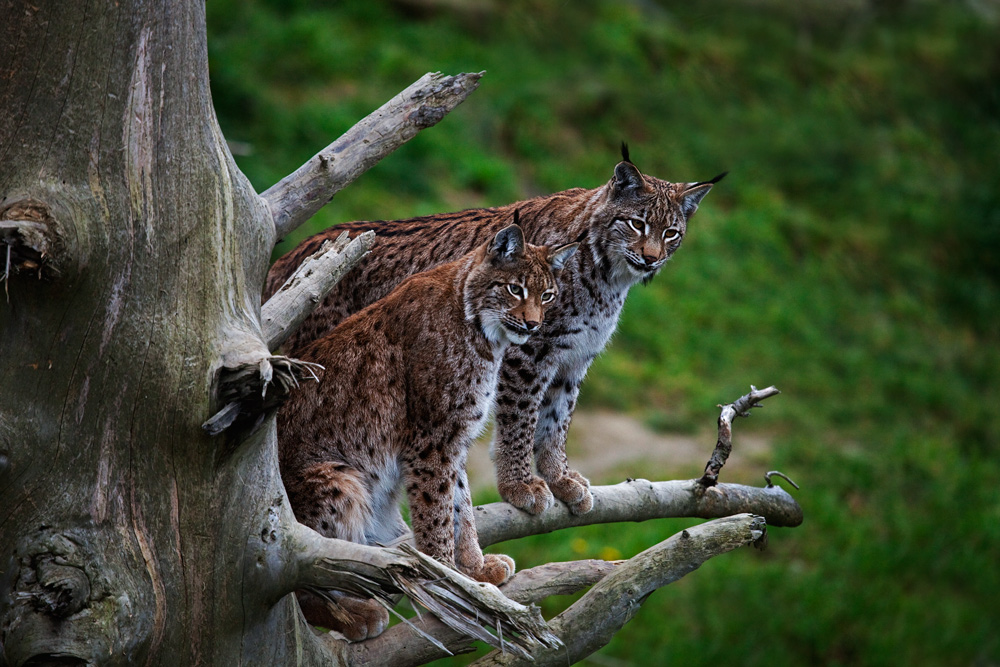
[851, 257]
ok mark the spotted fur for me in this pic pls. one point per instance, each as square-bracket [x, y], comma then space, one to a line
[628, 228]
[408, 384]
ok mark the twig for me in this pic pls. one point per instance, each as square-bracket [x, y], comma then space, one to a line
[305, 289]
[297, 197]
[589, 623]
[738, 408]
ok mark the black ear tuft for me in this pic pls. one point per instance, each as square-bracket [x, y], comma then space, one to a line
[508, 243]
[695, 192]
[625, 157]
[712, 181]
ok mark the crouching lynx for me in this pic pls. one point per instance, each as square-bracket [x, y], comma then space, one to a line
[408, 385]
[628, 229]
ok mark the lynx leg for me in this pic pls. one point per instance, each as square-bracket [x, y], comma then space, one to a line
[331, 499]
[519, 395]
[554, 418]
[430, 489]
[469, 558]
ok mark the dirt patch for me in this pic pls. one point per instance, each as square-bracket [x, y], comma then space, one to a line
[607, 447]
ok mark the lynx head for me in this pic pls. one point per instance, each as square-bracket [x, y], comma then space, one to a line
[642, 221]
[513, 283]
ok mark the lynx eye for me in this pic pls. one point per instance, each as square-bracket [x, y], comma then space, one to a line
[636, 225]
[670, 234]
[548, 296]
[515, 290]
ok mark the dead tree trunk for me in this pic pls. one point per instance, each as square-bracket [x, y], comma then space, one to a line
[142, 518]
[134, 252]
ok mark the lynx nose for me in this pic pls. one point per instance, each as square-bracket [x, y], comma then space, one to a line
[531, 325]
[648, 259]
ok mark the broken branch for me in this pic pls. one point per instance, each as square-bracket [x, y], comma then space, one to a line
[305, 289]
[466, 606]
[408, 646]
[298, 196]
[724, 445]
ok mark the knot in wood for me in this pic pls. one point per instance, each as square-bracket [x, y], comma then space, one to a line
[63, 589]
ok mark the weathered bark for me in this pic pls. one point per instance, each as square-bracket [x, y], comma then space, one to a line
[138, 251]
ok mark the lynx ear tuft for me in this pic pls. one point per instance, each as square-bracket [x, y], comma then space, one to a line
[508, 243]
[559, 256]
[695, 192]
[625, 157]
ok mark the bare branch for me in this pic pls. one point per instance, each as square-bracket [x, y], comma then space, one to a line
[593, 620]
[297, 197]
[466, 606]
[641, 500]
[724, 446]
[294, 301]
[406, 646]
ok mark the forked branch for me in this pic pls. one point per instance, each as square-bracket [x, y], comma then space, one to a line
[298, 196]
[593, 620]
[295, 300]
[724, 445]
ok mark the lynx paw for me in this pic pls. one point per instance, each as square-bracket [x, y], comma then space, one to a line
[574, 490]
[497, 568]
[533, 497]
[355, 618]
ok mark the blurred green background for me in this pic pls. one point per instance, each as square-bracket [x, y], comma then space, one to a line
[851, 257]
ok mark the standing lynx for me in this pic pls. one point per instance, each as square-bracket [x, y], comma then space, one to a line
[628, 229]
[408, 385]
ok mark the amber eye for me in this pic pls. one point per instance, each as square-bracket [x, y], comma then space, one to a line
[670, 235]
[515, 290]
[637, 225]
[548, 296]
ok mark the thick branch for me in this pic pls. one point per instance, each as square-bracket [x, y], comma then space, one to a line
[297, 197]
[593, 620]
[464, 605]
[282, 314]
[641, 500]
[406, 645]
[724, 445]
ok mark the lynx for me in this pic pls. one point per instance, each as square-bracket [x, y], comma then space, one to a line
[628, 229]
[408, 385]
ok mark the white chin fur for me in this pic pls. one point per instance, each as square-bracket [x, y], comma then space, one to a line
[516, 338]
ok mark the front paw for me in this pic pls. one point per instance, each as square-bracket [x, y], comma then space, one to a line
[497, 568]
[574, 490]
[533, 497]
